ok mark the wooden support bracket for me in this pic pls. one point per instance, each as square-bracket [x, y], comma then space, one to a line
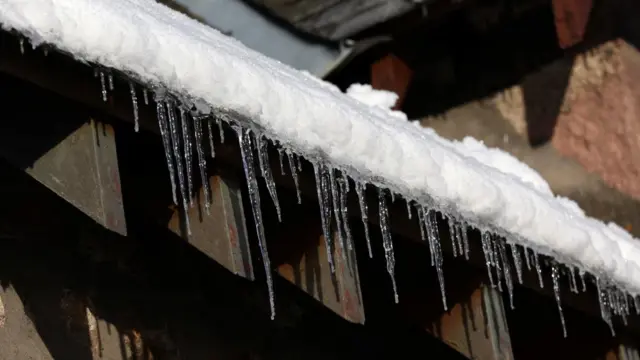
[571, 18]
[222, 234]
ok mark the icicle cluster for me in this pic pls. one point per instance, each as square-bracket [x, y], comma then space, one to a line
[182, 128]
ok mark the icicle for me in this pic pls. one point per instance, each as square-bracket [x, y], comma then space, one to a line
[465, 239]
[517, 261]
[111, 86]
[573, 284]
[452, 230]
[424, 231]
[188, 153]
[584, 283]
[103, 86]
[421, 225]
[555, 275]
[393, 197]
[506, 269]
[22, 46]
[166, 142]
[145, 96]
[604, 307]
[134, 104]
[294, 173]
[244, 137]
[320, 172]
[387, 241]
[536, 263]
[457, 232]
[211, 146]
[636, 304]
[486, 249]
[431, 224]
[496, 261]
[175, 140]
[344, 196]
[221, 130]
[281, 158]
[408, 208]
[45, 50]
[202, 162]
[265, 168]
[337, 214]
[526, 258]
[360, 191]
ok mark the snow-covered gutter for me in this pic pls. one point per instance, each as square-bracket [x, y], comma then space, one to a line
[166, 50]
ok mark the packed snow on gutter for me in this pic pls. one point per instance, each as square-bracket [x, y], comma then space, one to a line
[190, 65]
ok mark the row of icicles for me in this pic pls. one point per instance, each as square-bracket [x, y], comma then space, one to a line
[178, 123]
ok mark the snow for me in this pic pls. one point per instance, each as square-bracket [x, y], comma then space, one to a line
[314, 119]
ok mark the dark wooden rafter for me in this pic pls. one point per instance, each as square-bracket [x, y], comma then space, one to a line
[571, 19]
[392, 74]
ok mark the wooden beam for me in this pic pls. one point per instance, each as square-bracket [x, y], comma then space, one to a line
[571, 19]
[477, 326]
[222, 234]
[392, 74]
[74, 156]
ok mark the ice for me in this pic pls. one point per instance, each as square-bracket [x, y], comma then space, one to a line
[536, 263]
[221, 130]
[452, 236]
[166, 142]
[212, 147]
[527, 258]
[134, 104]
[322, 187]
[431, 225]
[495, 260]
[337, 214]
[22, 45]
[360, 191]
[465, 239]
[293, 167]
[506, 269]
[517, 261]
[145, 96]
[487, 251]
[246, 148]
[387, 242]
[202, 161]
[555, 275]
[582, 281]
[103, 86]
[111, 86]
[343, 185]
[408, 208]
[573, 284]
[281, 160]
[605, 311]
[188, 152]
[265, 169]
[175, 142]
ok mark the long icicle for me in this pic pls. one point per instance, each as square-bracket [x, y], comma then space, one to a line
[294, 174]
[536, 263]
[175, 140]
[434, 236]
[188, 152]
[320, 172]
[265, 168]
[211, 145]
[134, 105]
[343, 183]
[244, 137]
[506, 268]
[166, 142]
[387, 242]
[337, 214]
[517, 261]
[360, 191]
[555, 276]
[202, 162]
[486, 250]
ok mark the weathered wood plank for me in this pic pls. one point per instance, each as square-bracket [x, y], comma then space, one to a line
[392, 74]
[477, 327]
[222, 234]
[309, 269]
